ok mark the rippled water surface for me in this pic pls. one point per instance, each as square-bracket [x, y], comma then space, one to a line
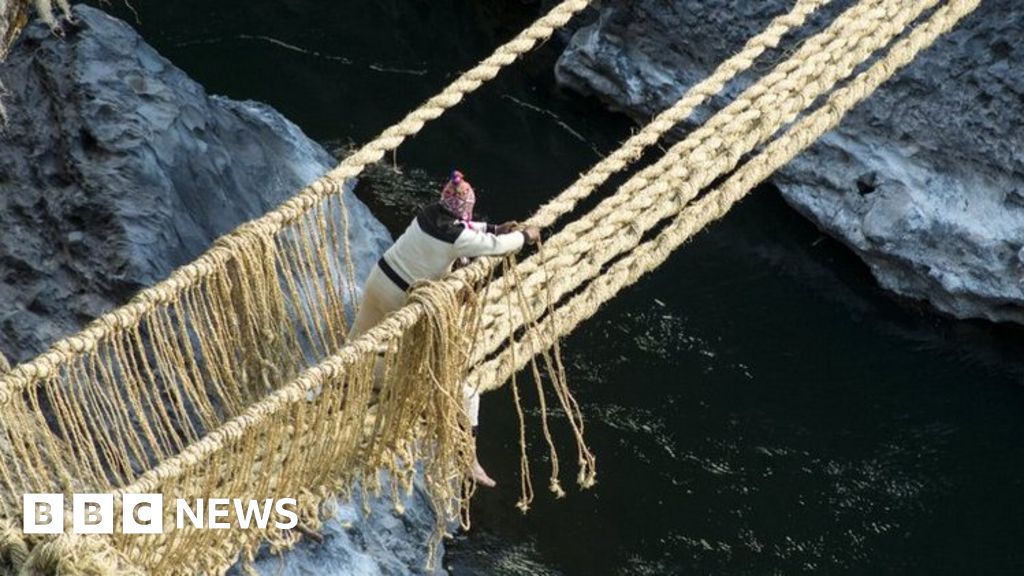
[757, 405]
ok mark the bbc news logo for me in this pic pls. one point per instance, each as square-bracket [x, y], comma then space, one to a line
[143, 513]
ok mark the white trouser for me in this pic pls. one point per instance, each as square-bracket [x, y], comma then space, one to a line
[381, 297]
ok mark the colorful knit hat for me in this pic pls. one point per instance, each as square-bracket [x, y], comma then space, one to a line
[458, 196]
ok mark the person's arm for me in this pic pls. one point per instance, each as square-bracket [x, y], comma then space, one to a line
[471, 243]
[481, 227]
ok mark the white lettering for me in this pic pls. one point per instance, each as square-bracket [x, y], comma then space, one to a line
[92, 513]
[287, 513]
[218, 508]
[142, 514]
[253, 510]
[42, 513]
[183, 509]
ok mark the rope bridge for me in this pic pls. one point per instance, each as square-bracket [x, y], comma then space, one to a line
[233, 377]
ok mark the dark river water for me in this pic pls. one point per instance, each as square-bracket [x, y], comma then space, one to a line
[757, 405]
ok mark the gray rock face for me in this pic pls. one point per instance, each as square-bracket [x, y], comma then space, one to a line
[115, 168]
[381, 543]
[924, 181]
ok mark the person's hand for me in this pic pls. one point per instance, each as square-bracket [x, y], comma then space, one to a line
[532, 234]
[507, 227]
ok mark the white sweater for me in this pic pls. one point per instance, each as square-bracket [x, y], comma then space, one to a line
[435, 239]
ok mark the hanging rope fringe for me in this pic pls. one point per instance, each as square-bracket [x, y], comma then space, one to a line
[232, 377]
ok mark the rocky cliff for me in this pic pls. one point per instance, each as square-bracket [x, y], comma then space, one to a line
[115, 168]
[924, 181]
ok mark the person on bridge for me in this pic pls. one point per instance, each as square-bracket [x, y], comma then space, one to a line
[443, 233]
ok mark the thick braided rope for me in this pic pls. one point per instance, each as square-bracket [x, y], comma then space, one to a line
[251, 233]
[697, 95]
[792, 76]
[716, 204]
[466, 83]
[787, 78]
[619, 222]
[632, 148]
[77, 555]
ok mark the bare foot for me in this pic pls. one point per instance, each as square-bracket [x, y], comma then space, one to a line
[480, 475]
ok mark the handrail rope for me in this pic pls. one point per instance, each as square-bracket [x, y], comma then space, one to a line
[631, 150]
[707, 137]
[713, 206]
[698, 94]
